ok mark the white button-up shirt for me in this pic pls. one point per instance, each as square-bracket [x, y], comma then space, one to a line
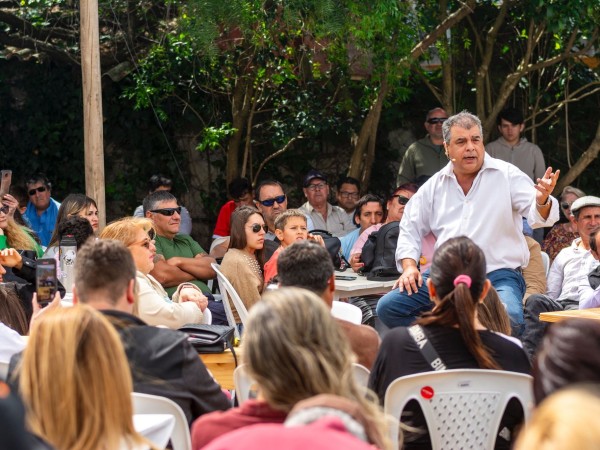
[490, 214]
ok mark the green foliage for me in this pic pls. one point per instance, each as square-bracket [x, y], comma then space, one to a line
[213, 137]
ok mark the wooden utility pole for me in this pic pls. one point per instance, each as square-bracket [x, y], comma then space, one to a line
[92, 106]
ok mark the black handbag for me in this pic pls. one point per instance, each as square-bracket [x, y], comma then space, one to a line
[333, 246]
[209, 338]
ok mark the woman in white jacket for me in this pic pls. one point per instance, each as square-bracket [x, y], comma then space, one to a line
[153, 304]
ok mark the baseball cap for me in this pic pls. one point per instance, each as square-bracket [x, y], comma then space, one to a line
[311, 175]
[582, 202]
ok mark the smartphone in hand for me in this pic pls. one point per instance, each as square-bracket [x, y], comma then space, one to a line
[46, 281]
[5, 180]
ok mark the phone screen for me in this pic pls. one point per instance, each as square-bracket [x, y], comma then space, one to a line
[46, 280]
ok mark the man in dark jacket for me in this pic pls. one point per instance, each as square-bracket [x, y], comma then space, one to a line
[162, 361]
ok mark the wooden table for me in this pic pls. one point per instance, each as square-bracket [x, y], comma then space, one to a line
[359, 285]
[557, 316]
[221, 366]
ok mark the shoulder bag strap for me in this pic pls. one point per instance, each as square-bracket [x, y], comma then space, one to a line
[426, 348]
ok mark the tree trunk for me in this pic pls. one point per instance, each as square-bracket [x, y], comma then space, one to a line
[584, 160]
[240, 109]
[370, 156]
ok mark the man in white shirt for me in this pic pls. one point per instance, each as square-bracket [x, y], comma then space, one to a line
[568, 272]
[589, 289]
[479, 197]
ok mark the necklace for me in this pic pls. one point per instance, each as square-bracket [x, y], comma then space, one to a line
[253, 263]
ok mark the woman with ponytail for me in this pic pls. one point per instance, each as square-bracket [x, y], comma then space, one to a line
[456, 285]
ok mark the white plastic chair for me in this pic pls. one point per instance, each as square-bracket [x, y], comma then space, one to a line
[244, 385]
[546, 261]
[462, 408]
[3, 370]
[229, 294]
[346, 311]
[154, 404]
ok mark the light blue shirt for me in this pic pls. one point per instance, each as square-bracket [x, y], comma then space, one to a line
[348, 242]
[44, 224]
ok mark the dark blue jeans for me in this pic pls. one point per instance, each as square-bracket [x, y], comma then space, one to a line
[397, 309]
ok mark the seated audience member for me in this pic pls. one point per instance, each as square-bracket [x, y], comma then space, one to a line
[323, 214]
[568, 355]
[563, 233]
[368, 212]
[74, 205]
[307, 265]
[290, 226]
[161, 183]
[21, 280]
[154, 306]
[179, 257]
[347, 194]
[567, 274]
[243, 263]
[240, 191]
[12, 313]
[15, 236]
[394, 211]
[307, 356]
[566, 419]
[162, 361]
[42, 209]
[80, 354]
[456, 285]
[589, 287]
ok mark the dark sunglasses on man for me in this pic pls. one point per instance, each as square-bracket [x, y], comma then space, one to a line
[37, 189]
[271, 201]
[167, 211]
[401, 199]
[435, 120]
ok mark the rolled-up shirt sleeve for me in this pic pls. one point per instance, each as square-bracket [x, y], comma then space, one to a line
[414, 226]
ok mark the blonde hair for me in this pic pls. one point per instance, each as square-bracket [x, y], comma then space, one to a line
[282, 219]
[17, 236]
[294, 350]
[76, 382]
[125, 229]
[566, 419]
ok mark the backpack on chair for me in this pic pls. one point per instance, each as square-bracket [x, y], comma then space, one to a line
[379, 253]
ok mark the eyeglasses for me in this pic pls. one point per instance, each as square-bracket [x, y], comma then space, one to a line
[37, 189]
[167, 211]
[435, 120]
[353, 195]
[4, 209]
[257, 226]
[401, 199]
[565, 205]
[316, 187]
[271, 201]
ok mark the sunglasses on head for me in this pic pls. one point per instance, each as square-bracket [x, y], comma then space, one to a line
[256, 227]
[565, 205]
[435, 120]
[401, 199]
[37, 189]
[271, 201]
[167, 211]
[4, 209]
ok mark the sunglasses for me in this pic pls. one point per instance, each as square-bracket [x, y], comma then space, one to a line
[401, 199]
[256, 227]
[565, 205]
[271, 201]
[4, 209]
[435, 120]
[37, 189]
[167, 211]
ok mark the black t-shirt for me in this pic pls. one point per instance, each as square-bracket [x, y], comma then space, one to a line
[399, 356]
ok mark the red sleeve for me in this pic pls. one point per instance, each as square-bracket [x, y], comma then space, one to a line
[271, 266]
[222, 227]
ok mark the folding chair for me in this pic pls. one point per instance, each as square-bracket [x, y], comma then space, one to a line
[229, 294]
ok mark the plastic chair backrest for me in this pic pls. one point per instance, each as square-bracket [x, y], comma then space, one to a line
[230, 296]
[546, 261]
[154, 404]
[346, 311]
[244, 385]
[462, 408]
[3, 370]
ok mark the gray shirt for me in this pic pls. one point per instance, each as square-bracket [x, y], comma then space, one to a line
[337, 223]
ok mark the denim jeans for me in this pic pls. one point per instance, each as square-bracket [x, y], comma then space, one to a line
[397, 309]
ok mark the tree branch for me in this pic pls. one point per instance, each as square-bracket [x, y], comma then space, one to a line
[282, 150]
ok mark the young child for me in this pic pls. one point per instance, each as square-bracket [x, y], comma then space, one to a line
[290, 226]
